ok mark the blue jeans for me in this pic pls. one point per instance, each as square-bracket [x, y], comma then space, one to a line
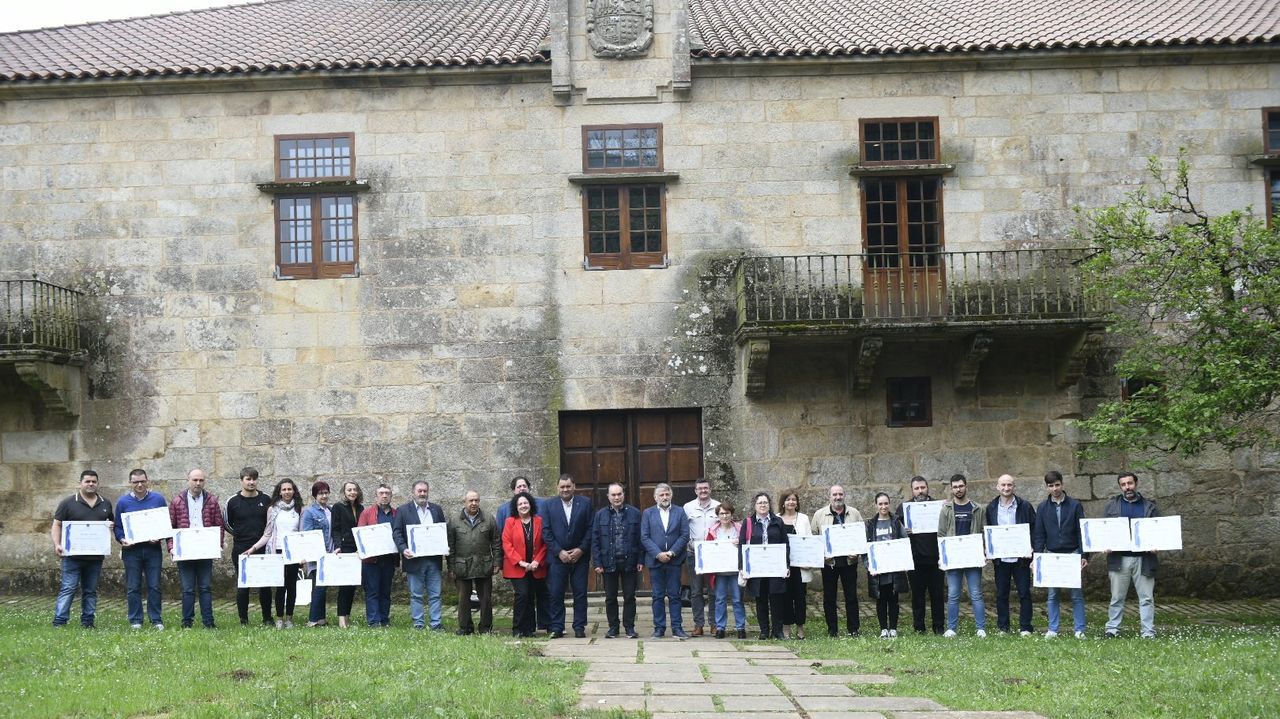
[319, 595]
[376, 578]
[727, 590]
[425, 581]
[142, 562]
[972, 577]
[665, 580]
[78, 573]
[573, 576]
[196, 576]
[1077, 608]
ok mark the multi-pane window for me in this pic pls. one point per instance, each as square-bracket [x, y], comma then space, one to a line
[1271, 146]
[901, 215]
[909, 140]
[909, 402]
[316, 230]
[624, 223]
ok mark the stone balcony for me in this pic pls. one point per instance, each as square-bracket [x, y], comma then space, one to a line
[42, 343]
[972, 299]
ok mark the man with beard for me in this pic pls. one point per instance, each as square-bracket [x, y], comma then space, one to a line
[926, 578]
[1136, 568]
[960, 516]
[839, 569]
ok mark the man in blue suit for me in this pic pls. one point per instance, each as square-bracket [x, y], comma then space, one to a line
[566, 529]
[664, 534]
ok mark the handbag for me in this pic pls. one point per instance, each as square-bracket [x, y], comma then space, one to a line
[303, 593]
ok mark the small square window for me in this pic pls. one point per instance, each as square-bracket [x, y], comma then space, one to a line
[909, 402]
[1271, 131]
[1133, 388]
[621, 148]
[899, 141]
[302, 158]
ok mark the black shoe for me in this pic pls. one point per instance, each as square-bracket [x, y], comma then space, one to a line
[719, 634]
[464, 632]
[855, 634]
[764, 636]
[611, 634]
[778, 636]
[557, 635]
[1111, 635]
[579, 634]
[832, 634]
[657, 634]
[631, 634]
[742, 634]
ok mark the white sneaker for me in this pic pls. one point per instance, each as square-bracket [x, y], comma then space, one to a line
[949, 634]
[1024, 634]
[135, 626]
[982, 634]
[159, 627]
[884, 633]
[893, 633]
[1079, 635]
[1050, 634]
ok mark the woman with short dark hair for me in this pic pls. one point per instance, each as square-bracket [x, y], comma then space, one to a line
[318, 516]
[765, 527]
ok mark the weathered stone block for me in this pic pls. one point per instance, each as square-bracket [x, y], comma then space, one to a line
[34, 447]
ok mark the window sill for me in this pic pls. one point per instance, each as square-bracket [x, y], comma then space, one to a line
[897, 170]
[288, 188]
[624, 178]
[1265, 160]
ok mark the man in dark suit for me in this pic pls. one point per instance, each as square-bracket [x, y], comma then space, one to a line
[664, 533]
[422, 572]
[566, 530]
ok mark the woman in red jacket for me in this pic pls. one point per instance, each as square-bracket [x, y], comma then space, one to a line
[524, 557]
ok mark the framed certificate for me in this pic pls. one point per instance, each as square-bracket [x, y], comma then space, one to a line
[807, 550]
[374, 540]
[146, 525]
[86, 539]
[260, 570]
[302, 547]
[427, 540]
[201, 543]
[962, 552]
[1056, 570]
[764, 560]
[1157, 534]
[715, 557]
[893, 555]
[338, 570]
[1111, 534]
[921, 517]
[1009, 541]
[844, 540]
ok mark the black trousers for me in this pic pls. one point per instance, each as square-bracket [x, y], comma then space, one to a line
[770, 609]
[887, 607]
[346, 597]
[288, 594]
[242, 595]
[797, 599]
[928, 582]
[526, 590]
[848, 576]
[627, 582]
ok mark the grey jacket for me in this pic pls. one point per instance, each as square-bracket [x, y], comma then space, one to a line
[1149, 561]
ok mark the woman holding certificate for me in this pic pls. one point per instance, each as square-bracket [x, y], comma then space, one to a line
[524, 557]
[884, 588]
[725, 584]
[346, 515]
[796, 604]
[765, 527]
[318, 516]
[284, 516]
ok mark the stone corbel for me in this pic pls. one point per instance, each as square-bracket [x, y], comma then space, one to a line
[862, 363]
[970, 361]
[755, 360]
[1083, 346]
[57, 384]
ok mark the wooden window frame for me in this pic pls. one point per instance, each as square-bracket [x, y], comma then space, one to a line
[1267, 147]
[1272, 198]
[318, 268]
[586, 129]
[625, 259]
[889, 396]
[903, 222]
[862, 141]
[349, 136]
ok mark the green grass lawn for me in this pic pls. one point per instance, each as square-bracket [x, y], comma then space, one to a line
[236, 671]
[1191, 670]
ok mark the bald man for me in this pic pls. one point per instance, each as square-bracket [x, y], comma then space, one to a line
[1009, 508]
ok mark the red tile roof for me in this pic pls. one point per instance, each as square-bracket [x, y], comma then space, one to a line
[301, 35]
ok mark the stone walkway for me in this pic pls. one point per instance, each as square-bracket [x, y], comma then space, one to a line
[705, 678]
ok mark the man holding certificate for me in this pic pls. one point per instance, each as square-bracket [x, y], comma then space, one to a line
[959, 517]
[247, 521]
[839, 570]
[926, 579]
[1136, 568]
[423, 573]
[196, 509]
[1009, 509]
[142, 559]
[1057, 531]
[378, 571]
[79, 571]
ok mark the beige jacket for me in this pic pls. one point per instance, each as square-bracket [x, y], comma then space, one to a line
[822, 520]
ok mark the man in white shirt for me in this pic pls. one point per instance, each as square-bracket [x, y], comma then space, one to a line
[702, 516]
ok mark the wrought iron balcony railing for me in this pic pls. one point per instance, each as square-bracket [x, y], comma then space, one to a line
[912, 289]
[39, 316]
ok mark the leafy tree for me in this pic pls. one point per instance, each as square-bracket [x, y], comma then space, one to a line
[1195, 302]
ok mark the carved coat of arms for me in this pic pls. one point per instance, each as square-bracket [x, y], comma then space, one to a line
[620, 28]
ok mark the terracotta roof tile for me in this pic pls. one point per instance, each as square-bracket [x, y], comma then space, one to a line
[301, 35]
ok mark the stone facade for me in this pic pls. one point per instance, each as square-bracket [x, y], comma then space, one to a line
[473, 322]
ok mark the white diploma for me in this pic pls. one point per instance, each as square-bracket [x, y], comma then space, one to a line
[146, 525]
[715, 557]
[807, 550]
[1056, 570]
[892, 555]
[338, 570]
[86, 539]
[764, 560]
[921, 517]
[1157, 534]
[374, 540]
[843, 540]
[261, 570]
[1008, 541]
[427, 540]
[961, 552]
[302, 547]
[1100, 535]
[201, 543]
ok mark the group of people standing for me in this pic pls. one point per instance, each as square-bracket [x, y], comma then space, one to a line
[548, 547]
